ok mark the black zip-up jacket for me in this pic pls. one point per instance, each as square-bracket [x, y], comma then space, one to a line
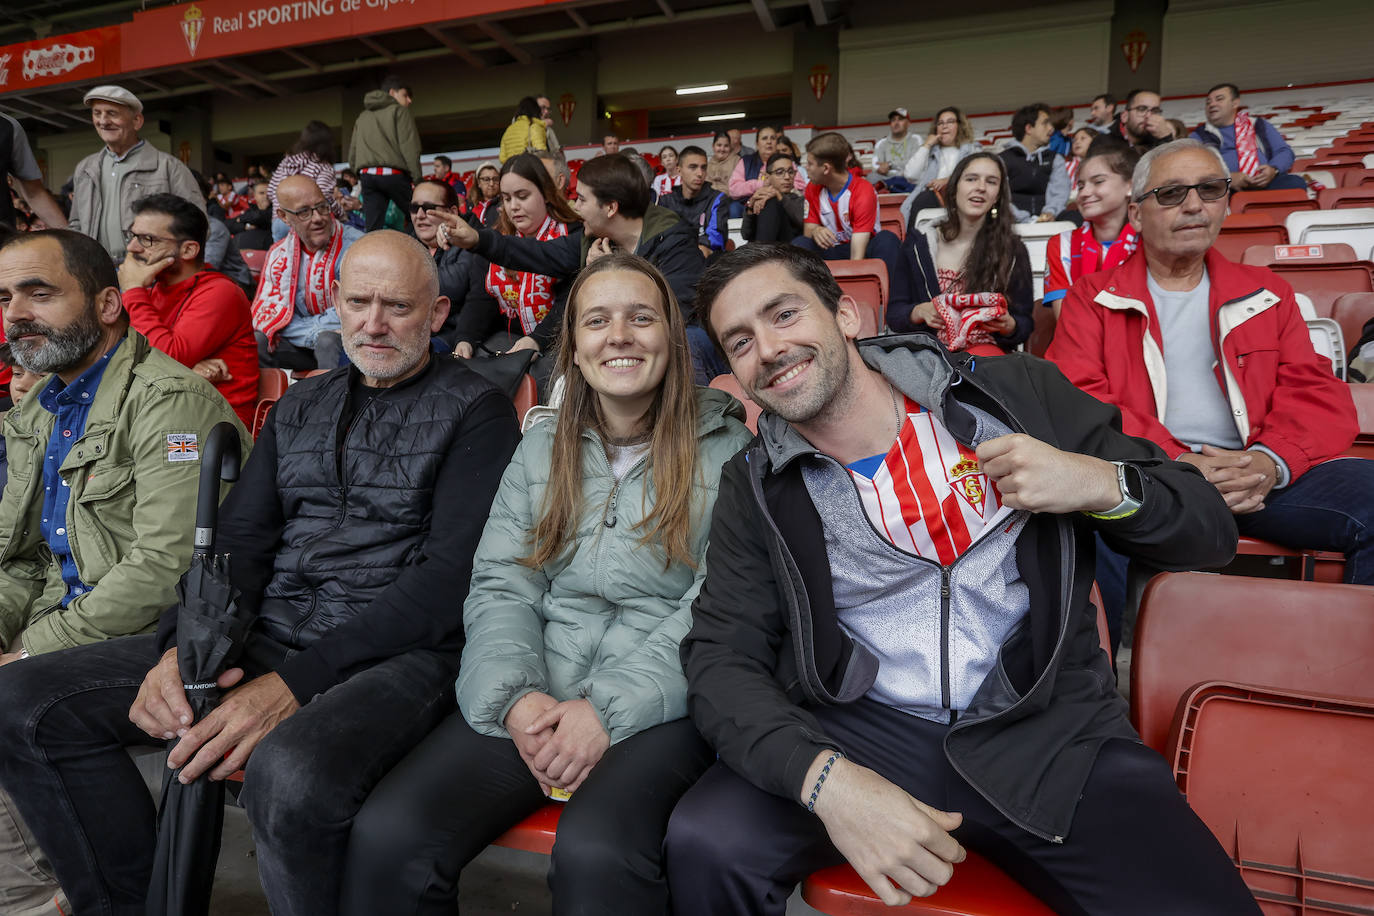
[709, 212]
[766, 643]
[665, 241]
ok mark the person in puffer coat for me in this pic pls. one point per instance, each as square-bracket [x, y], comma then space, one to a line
[581, 593]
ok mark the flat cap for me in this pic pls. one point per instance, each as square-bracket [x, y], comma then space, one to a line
[117, 94]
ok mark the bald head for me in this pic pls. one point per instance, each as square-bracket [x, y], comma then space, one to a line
[389, 306]
[296, 191]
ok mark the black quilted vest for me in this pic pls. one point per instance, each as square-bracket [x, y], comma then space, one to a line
[346, 539]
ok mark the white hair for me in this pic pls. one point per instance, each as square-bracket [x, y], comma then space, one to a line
[1140, 178]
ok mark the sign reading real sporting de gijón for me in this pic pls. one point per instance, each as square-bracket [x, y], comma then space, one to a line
[190, 32]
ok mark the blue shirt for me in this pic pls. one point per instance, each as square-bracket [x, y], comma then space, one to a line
[72, 405]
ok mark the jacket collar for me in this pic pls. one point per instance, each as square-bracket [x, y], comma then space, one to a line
[29, 417]
[1128, 284]
[914, 364]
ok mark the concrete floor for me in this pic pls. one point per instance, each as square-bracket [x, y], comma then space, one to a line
[499, 882]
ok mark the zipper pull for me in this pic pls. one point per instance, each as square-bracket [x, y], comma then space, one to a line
[609, 520]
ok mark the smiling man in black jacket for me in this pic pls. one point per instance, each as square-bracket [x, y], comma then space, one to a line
[350, 535]
[893, 650]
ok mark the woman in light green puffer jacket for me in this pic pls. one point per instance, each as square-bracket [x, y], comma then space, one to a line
[581, 592]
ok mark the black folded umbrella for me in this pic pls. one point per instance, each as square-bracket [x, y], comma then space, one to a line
[210, 633]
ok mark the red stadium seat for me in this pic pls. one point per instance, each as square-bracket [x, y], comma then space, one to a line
[1043, 334]
[1326, 282]
[866, 281]
[1363, 396]
[535, 833]
[1241, 230]
[255, 259]
[1351, 312]
[1282, 780]
[890, 214]
[1342, 198]
[526, 396]
[1277, 633]
[272, 384]
[1277, 204]
[1269, 255]
[978, 888]
[729, 384]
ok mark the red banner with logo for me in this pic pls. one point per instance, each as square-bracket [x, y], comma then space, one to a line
[60, 59]
[222, 28]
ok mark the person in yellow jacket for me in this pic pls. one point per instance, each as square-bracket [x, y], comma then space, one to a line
[526, 131]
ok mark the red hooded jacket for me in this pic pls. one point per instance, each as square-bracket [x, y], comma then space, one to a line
[1282, 394]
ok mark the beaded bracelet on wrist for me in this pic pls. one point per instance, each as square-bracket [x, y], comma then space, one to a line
[820, 781]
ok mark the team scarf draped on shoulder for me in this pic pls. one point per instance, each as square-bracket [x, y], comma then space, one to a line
[965, 317]
[524, 294]
[1247, 146]
[1086, 254]
[275, 303]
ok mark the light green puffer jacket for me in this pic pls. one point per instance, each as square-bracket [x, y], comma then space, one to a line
[604, 621]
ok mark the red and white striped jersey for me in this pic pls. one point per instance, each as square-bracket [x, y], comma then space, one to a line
[928, 496]
[854, 209]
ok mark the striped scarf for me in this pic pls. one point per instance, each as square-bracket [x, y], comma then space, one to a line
[1247, 146]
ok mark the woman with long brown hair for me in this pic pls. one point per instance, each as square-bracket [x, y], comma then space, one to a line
[955, 272]
[582, 587]
[506, 309]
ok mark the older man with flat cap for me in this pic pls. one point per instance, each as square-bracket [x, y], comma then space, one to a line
[106, 183]
[352, 531]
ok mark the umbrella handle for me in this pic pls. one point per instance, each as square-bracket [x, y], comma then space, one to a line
[219, 460]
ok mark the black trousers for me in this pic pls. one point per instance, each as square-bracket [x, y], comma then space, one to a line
[377, 191]
[774, 225]
[64, 724]
[458, 790]
[1135, 846]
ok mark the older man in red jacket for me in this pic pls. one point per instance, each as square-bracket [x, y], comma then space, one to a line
[1212, 361]
[199, 317]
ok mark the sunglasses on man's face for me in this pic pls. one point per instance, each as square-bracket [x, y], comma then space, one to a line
[1171, 195]
[428, 208]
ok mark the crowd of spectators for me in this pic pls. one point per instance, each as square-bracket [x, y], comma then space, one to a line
[392, 531]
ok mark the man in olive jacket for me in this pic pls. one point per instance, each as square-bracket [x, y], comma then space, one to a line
[893, 650]
[384, 149]
[96, 521]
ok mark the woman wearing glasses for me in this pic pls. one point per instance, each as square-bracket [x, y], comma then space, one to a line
[486, 192]
[505, 307]
[950, 139]
[776, 211]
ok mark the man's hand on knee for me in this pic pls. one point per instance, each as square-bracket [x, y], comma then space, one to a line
[222, 742]
[888, 837]
[160, 708]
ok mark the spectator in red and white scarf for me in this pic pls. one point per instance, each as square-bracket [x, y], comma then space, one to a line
[1254, 151]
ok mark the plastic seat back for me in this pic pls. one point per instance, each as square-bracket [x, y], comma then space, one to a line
[1354, 226]
[866, 281]
[1326, 282]
[1352, 311]
[1282, 780]
[1342, 198]
[1275, 633]
[1328, 253]
[1242, 230]
[526, 396]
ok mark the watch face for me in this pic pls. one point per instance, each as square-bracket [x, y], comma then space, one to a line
[1132, 482]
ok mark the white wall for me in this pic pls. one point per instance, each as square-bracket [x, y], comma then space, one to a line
[1265, 44]
[1054, 54]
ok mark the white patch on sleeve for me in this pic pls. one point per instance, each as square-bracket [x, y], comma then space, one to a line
[183, 447]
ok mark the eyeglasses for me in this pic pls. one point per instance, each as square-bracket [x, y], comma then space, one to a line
[1171, 195]
[428, 208]
[788, 173]
[1147, 110]
[321, 208]
[145, 240]
[495, 179]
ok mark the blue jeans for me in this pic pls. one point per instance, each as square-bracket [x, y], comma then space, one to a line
[1331, 507]
[64, 726]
